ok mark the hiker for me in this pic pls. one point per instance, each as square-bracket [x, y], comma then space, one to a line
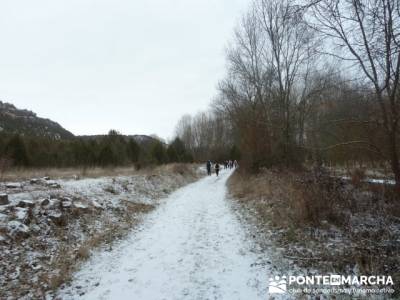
[208, 167]
[217, 168]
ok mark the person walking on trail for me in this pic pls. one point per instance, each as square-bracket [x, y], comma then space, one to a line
[230, 163]
[208, 167]
[217, 168]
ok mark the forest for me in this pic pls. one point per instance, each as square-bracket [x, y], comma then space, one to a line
[110, 150]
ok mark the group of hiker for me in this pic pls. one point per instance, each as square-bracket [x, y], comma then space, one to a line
[228, 164]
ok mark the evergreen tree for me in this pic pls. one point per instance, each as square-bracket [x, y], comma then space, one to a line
[158, 153]
[171, 153]
[16, 150]
[177, 152]
[107, 157]
[133, 151]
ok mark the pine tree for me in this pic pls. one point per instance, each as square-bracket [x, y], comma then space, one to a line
[107, 157]
[158, 153]
[177, 152]
[133, 151]
[16, 150]
[171, 153]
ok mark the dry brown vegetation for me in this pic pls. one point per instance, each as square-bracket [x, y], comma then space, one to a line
[16, 174]
[323, 223]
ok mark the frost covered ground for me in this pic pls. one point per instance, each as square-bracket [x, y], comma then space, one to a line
[47, 227]
[191, 247]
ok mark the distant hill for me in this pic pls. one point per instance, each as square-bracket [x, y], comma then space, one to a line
[145, 139]
[141, 139]
[27, 123]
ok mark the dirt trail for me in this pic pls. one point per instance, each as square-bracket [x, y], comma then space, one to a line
[191, 247]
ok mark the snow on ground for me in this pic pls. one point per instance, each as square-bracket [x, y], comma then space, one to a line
[190, 247]
[373, 180]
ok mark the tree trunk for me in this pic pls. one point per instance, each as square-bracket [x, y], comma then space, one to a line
[394, 159]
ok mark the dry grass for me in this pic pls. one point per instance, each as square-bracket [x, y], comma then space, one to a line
[66, 173]
[307, 198]
[305, 211]
[174, 168]
[16, 174]
[304, 199]
[287, 199]
[357, 176]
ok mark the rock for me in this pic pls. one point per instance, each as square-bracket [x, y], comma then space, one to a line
[53, 184]
[50, 203]
[44, 202]
[13, 185]
[16, 274]
[26, 203]
[4, 199]
[16, 228]
[66, 204]
[53, 196]
[57, 218]
[46, 178]
[35, 181]
[55, 203]
[65, 198]
[35, 228]
[3, 239]
[3, 218]
[22, 215]
[96, 204]
[35, 266]
[80, 205]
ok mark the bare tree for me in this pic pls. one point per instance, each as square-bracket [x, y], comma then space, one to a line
[271, 51]
[366, 33]
[290, 47]
[207, 135]
[184, 131]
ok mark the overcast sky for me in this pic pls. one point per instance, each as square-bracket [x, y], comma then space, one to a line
[135, 66]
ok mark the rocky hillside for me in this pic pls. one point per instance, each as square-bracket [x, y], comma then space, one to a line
[25, 122]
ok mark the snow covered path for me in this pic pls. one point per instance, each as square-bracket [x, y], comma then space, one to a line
[191, 247]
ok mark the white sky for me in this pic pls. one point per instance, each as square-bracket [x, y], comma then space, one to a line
[135, 66]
